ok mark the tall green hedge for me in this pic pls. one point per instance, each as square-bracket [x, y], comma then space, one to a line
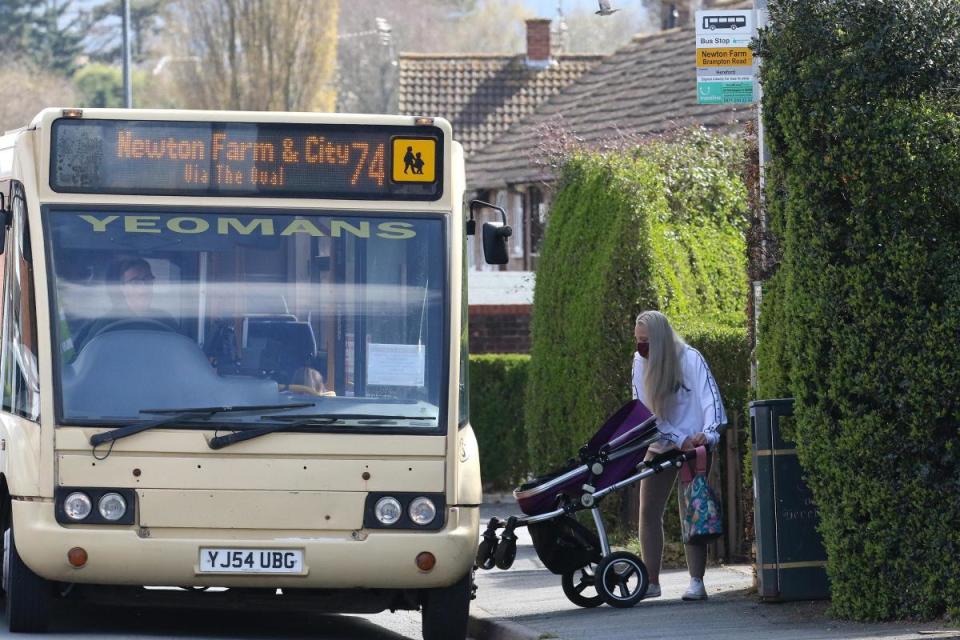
[497, 383]
[658, 228]
[861, 111]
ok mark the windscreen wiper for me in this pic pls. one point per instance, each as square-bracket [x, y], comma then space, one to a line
[288, 423]
[180, 415]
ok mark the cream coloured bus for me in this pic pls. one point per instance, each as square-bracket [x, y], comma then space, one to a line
[233, 362]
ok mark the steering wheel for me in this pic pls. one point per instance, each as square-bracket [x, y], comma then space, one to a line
[131, 323]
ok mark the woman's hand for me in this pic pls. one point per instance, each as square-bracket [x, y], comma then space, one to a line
[694, 441]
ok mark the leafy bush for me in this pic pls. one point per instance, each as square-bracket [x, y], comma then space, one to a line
[865, 310]
[659, 229]
[497, 383]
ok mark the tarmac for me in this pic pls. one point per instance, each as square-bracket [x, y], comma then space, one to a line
[527, 603]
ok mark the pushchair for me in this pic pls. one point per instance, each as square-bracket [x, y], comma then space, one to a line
[611, 460]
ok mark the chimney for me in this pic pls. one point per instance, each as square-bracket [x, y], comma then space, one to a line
[678, 13]
[538, 42]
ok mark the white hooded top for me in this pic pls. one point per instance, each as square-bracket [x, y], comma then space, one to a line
[697, 405]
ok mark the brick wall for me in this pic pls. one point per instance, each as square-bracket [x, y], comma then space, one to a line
[500, 328]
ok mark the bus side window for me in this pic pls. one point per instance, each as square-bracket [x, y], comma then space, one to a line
[18, 360]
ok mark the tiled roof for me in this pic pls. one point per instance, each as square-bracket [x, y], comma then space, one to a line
[482, 95]
[647, 87]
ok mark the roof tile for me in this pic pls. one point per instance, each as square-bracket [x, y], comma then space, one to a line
[647, 87]
[482, 95]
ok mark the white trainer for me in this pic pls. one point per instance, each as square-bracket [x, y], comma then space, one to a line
[653, 591]
[696, 591]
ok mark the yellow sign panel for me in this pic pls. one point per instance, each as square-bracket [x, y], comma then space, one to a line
[725, 57]
[414, 160]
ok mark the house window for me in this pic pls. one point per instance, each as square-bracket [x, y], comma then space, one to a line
[538, 212]
[515, 216]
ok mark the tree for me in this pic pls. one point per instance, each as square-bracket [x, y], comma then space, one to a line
[15, 22]
[254, 54]
[45, 32]
[29, 89]
[104, 41]
[54, 35]
[99, 85]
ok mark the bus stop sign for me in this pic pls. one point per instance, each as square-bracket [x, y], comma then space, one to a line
[725, 69]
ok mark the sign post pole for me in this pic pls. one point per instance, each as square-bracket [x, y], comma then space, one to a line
[761, 19]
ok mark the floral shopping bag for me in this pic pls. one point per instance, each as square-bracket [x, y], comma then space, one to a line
[701, 510]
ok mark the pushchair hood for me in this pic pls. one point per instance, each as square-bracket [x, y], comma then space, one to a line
[621, 443]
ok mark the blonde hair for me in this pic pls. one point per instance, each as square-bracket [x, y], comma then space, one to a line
[663, 374]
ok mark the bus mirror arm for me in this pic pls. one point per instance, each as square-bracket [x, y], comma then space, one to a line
[5, 220]
[494, 236]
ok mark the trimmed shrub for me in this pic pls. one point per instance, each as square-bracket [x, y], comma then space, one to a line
[661, 229]
[497, 383]
[865, 310]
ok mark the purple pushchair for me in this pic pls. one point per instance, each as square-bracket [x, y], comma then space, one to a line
[610, 461]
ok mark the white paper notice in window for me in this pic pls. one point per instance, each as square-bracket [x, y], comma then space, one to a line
[396, 365]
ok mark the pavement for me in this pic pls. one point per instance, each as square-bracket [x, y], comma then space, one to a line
[527, 603]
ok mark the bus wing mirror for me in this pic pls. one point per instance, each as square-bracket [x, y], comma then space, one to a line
[495, 243]
[494, 236]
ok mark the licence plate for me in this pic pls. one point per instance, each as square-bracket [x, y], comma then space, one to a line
[219, 560]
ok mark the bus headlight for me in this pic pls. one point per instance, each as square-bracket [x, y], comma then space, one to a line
[112, 506]
[422, 511]
[387, 510]
[77, 506]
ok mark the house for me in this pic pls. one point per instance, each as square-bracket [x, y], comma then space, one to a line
[482, 95]
[505, 109]
[500, 304]
[646, 88]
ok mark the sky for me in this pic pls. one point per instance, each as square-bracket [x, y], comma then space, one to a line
[548, 8]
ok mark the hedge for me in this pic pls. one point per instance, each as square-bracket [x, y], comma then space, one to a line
[497, 383]
[659, 228]
[864, 313]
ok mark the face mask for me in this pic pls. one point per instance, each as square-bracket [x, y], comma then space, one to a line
[643, 348]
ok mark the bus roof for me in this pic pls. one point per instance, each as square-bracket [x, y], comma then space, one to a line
[199, 115]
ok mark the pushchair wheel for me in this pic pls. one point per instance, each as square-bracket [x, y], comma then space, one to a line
[506, 552]
[621, 579]
[578, 585]
[485, 553]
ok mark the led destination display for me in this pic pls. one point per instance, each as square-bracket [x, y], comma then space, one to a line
[368, 162]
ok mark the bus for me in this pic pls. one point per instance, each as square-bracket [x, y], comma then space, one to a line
[234, 363]
[724, 22]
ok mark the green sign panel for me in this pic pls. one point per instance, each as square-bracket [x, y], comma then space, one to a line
[725, 92]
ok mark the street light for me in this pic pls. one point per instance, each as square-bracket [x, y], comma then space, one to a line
[127, 84]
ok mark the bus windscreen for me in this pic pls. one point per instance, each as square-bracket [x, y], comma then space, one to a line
[147, 157]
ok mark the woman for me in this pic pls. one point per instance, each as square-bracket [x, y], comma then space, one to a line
[674, 381]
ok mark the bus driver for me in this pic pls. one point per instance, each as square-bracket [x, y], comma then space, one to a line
[130, 287]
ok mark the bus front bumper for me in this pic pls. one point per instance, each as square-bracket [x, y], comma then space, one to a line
[121, 555]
